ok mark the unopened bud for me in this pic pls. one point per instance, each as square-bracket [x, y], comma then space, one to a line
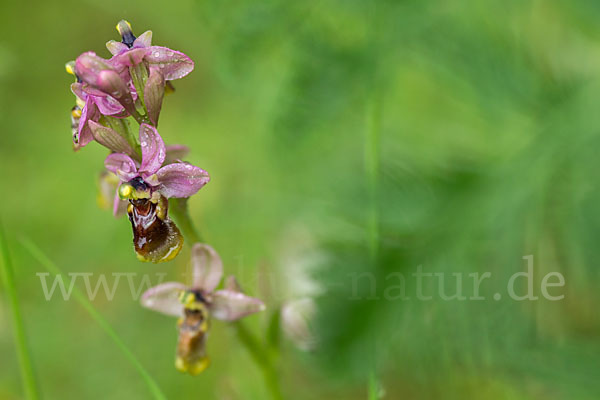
[127, 36]
[110, 82]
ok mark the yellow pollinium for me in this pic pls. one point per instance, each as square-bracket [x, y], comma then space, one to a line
[70, 68]
[192, 368]
[125, 191]
[76, 113]
[128, 192]
[187, 298]
[123, 26]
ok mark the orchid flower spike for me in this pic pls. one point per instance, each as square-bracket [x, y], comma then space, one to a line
[131, 83]
[132, 51]
[196, 305]
[147, 183]
[148, 68]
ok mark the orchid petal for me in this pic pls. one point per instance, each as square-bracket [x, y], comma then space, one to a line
[151, 180]
[153, 150]
[119, 206]
[110, 106]
[88, 90]
[164, 298]
[111, 83]
[181, 179]
[77, 89]
[154, 92]
[122, 165]
[144, 40]
[89, 113]
[173, 64]
[88, 66]
[129, 58]
[228, 305]
[207, 268]
[232, 284]
[103, 80]
[116, 47]
[106, 104]
[111, 139]
[176, 152]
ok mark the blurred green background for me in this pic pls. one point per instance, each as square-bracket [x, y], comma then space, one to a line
[341, 137]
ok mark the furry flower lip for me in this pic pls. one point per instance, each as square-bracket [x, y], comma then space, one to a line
[197, 305]
[147, 184]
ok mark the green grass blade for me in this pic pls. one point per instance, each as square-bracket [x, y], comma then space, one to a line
[373, 387]
[372, 161]
[261, 357]
[89, 307]
[24, 356]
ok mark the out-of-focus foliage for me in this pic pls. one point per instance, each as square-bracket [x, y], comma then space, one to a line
[456, 136]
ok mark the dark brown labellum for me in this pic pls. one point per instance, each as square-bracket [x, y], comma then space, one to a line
[155, 237]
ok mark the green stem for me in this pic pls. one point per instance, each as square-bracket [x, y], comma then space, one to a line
[372, 160]
[178, 209]
[138, 117]
[261, 358]
[96, 316]
[372, 175]
[24, 356]
[373, 387]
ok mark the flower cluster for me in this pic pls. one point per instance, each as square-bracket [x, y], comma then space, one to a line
[118, 104]
[111, 95]
[142, 174]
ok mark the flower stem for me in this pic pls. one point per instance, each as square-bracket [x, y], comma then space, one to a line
[261, 358]
[373, 387]
[372, 174]
[372, 160]
[27, 373]
[96, 316]
[178, 209]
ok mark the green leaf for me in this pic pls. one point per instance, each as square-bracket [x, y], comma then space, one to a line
[96, 316]
[23, 353]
